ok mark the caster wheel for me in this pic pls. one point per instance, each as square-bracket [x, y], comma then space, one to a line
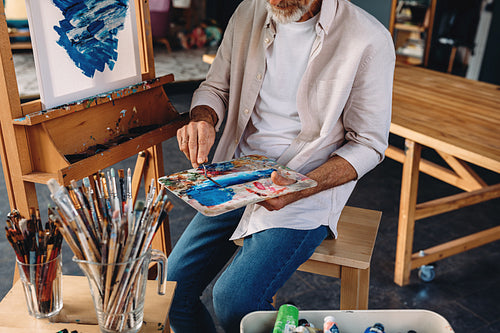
[426, 273]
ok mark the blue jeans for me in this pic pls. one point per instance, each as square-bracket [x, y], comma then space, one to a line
[264, 263]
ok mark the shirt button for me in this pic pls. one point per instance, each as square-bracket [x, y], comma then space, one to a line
[246, 111]
[266, 40]
[259, 76]
[235, 142]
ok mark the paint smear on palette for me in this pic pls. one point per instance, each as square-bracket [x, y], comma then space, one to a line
[209, 194]
[242, 181]
[89, 32]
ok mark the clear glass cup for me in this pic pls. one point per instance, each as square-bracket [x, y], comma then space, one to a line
[42, 287]
[118, 290]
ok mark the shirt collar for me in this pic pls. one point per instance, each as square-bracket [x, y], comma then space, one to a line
[270, 22]
[327, 14]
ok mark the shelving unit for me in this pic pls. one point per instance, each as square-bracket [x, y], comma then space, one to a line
[17, 22]
[412, 39]
[24, 44]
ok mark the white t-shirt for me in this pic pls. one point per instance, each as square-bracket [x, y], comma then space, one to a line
[275, 120]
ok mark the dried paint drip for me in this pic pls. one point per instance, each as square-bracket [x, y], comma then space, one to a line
[89, 32]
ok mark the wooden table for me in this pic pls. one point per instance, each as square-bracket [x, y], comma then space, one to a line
[78, 311]
[460, 120]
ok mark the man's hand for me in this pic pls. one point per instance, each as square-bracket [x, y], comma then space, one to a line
[279, 179]
[334, 172]
[281, 201]
[276, 203]
[196, 138]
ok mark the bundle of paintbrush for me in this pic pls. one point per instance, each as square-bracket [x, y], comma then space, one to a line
[106, 233]
[98, 215]
[37, 247]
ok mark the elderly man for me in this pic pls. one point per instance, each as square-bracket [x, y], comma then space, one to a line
[305, 82]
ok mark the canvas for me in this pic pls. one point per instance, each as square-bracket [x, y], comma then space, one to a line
[83, 47]
[232, 184]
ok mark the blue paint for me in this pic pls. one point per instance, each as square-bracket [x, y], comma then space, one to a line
[209, 194]
[243, 177]
[89, 32]
[219, 166]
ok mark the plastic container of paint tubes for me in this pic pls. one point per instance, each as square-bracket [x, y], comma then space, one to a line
[356, 321]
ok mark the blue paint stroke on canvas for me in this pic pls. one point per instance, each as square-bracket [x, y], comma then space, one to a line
[89, 32]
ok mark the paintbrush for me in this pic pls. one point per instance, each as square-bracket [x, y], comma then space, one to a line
[208, 177]
[123, 195]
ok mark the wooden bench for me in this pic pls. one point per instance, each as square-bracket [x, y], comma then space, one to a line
[347, 257]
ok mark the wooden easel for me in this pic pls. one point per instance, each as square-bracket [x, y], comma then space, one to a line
[35, 143]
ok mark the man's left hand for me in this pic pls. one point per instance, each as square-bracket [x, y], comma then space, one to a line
[334, 172]
[281, 201]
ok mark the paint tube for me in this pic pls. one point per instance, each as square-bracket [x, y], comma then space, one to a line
[329, 325]
[376, 328]
[307, 329]
[287, 319]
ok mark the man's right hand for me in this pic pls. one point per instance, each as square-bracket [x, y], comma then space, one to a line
[196, 138]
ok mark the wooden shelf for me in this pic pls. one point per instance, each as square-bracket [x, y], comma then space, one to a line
[402, 54]
[19, 45]
[408, 60]
[401, 32]
[16, 33]
[409, 27]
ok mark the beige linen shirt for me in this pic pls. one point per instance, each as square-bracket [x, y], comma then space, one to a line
[344, 102]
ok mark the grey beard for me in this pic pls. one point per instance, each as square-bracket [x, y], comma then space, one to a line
[284, 18]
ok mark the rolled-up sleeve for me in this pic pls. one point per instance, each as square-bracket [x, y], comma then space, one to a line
[367, 114]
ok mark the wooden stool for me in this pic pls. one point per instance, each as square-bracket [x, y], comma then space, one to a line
[347, 257]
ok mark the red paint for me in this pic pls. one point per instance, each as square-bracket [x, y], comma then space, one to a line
[259, 185]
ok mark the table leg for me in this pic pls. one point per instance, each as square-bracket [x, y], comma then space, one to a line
[407, 206]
